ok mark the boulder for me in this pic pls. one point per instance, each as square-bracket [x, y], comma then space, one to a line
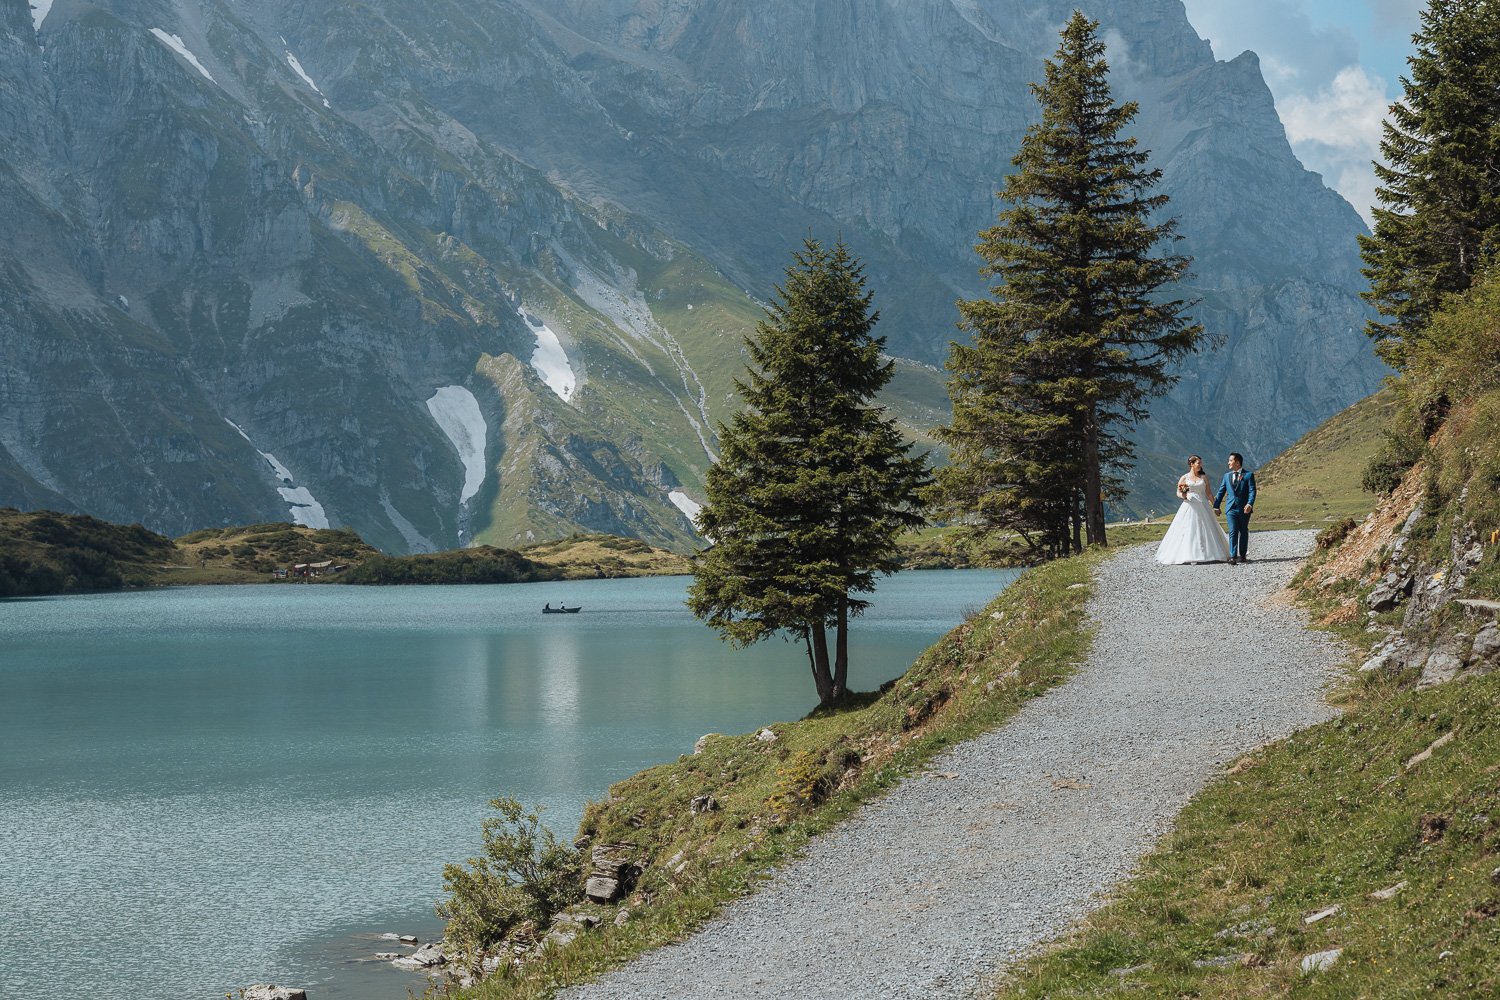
[1130, 970]
[1248, 929]
[703, 741]
[425, 957]
[1486, 648]
[1389, 892]
[1441, 666]
[612, 872]
[1323, 914]
[566, 926]
[1321, 961]
[265, 992]
[560, 936]
[600, 889]
[766, 735]
[1219, 961]
[1389, 592]
[1432, 748]
[704, 804]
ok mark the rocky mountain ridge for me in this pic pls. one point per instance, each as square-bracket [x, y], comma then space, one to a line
[245, 247]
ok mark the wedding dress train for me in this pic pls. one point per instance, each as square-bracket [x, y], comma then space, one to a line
[1194, 535]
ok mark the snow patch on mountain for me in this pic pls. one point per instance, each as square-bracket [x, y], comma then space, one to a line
[175, 43]
[302, 505]
[686, 504]
[292, 61]
[39, 11]
[304, 508]
[456, 412]
[550, 360]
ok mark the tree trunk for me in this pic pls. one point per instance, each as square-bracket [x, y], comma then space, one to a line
[812, 661]
[1093, 486]
[841, 650]
[1077, 519]
[822, 677]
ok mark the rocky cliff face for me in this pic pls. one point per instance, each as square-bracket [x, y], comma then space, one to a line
[243, 247]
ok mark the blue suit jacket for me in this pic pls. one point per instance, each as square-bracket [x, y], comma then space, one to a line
[1241, 494]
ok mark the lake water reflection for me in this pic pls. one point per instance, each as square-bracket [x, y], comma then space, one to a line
[208, 787]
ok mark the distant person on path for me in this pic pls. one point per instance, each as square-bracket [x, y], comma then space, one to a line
[1194, 535]
[1239, 485]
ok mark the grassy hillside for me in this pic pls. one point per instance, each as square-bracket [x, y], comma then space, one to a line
[481, 564]
[43, 552]
[249, 554]
[1318, 479]
[582, 557]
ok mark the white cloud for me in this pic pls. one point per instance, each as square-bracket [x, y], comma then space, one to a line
[1328, 63]
[1336, 132]
[1345, 114]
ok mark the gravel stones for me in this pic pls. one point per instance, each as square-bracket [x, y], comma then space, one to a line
[942, 883]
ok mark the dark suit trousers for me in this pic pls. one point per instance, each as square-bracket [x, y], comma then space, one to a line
[1239, 533]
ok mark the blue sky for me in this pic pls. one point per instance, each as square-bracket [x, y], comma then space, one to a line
[1333, 66]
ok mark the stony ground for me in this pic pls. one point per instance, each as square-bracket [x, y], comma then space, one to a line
[931, 891]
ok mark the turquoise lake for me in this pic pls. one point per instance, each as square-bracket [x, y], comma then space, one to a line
[204, 788]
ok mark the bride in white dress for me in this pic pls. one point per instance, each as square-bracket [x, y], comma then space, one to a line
[1194, 535]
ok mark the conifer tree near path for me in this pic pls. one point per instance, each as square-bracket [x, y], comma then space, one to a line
[814, 482]
[1077, 337]
[1438, 224]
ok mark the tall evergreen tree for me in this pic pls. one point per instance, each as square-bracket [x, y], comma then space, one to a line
[1438, 223]
[815, 482]
[1077, 337]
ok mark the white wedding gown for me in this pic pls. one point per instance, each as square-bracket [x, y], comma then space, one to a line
[1194, 535]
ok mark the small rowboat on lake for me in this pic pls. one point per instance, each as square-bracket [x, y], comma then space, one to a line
[560, 610]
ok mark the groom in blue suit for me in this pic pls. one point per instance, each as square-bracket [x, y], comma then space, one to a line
[1240, 487]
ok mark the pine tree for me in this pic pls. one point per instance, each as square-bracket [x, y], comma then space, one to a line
[1077, 337]
[815, 482]
[1438, 223]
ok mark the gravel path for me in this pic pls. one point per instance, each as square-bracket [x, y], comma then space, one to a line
[932, 890]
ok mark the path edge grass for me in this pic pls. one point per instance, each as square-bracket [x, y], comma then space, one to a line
[1227, 904]
[1026, 641]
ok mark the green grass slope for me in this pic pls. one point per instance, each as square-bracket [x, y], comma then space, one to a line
[1341, 811]
[44, 552]
[1317, 480]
